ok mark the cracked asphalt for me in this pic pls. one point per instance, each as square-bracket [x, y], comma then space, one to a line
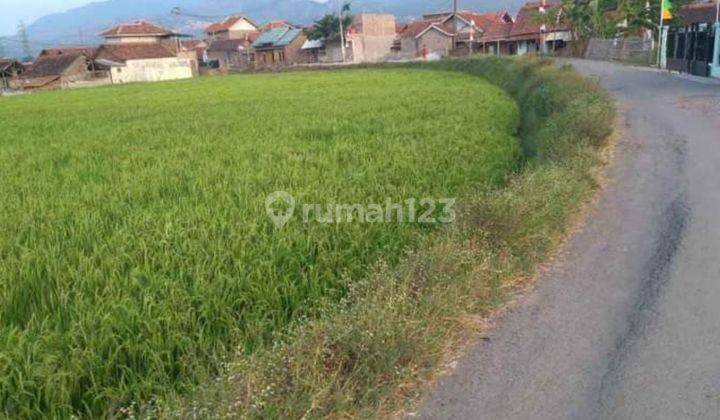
[626, 325]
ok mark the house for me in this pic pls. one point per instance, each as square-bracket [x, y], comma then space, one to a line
[279, 46]
[424, 38]
[370, 38]
[468, 26]
[313, 51]
[494, 39]
[10, 69]
[231, 53]
[196, 46]
[145, 52]
[538, 27]
[233, 27]
[143, 62]
[57, 71]
[693, 45]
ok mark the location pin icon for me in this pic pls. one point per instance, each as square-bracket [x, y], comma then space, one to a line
[280, 207]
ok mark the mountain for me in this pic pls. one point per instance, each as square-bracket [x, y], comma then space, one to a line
[81, 25]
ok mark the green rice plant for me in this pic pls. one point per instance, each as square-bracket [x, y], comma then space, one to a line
[369, 354]
[136, 256]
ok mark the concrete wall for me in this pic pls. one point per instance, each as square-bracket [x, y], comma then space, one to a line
[234, 59]
[375, 38]
[153, 70]
[631, 50]
[435, 42]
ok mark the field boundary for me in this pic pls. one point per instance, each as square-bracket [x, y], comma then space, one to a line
[370, 354]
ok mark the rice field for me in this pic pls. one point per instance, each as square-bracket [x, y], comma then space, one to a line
[136, 255]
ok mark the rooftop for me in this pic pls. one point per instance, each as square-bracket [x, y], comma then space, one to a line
[278, 37]
[137, 28]
[120, 53]
[46, 66]
[226, 24]
[529, 20]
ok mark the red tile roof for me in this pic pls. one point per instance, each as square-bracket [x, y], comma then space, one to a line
[275, 24]
[528, 22]
[196, 45]
[226, 24]
[123, 52]
[496, 32]
[483, 19]
[46, 66]
[138, 28]
[414, 29]
[88, 51]
[192, 44]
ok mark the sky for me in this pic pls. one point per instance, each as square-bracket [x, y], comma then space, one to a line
[13, 11]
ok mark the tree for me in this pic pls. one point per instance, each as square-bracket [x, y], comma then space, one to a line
[328, 27]
[24, 42]
[2, 48]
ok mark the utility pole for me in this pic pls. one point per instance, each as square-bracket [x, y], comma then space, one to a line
[342, 28]
[455, 31]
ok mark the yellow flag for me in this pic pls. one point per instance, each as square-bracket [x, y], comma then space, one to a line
[666, 9]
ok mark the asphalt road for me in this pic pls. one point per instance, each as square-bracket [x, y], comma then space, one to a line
[626, 325]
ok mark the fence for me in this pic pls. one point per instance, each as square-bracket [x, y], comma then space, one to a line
[630, 50]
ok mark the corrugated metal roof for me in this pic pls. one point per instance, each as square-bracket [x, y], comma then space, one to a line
[312, 44]
[278, 37]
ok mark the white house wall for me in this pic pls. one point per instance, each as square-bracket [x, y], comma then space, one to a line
[153, 70]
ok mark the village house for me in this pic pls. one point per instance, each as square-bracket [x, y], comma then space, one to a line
[144, 62]
[196, 49]
[279, 46]
[538, 28]
[232, 27]
[425, 38]
[494, 39]
[468, 27]
[145, 52]
[370, 38]
[230, 44]
[231, 53]
[10, 69]
[57, 71]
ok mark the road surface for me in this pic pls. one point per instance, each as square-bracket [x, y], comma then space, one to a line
[627, 325]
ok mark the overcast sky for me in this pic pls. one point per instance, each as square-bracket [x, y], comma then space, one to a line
[13, 11]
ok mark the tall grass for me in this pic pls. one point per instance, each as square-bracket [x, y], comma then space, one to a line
[369, 354]
[135, 254]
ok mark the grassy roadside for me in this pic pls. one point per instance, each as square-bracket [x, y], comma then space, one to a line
[366, 356]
